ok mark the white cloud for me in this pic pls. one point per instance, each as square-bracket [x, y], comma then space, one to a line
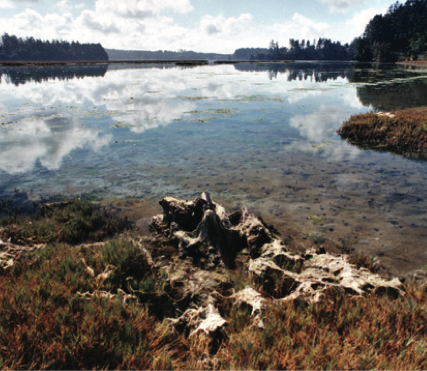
[300, 27]
[142, 8]
[6, 4]
[342, 5]
[104, 25]
[360, 19]
[231, 26]
[150, 25]
[64, 6]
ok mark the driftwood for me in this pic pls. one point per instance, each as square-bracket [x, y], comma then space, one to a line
[203, 229]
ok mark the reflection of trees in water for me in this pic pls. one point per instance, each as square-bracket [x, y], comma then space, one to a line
[317, 72]
[388, 96]
[387, 86]
[22, 75]
[146, 66]
[373, 73]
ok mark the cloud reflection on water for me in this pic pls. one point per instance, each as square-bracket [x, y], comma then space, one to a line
[25, 142]
[89, 109]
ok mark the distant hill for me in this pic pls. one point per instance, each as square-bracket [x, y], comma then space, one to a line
[165, 55]
[13, 48]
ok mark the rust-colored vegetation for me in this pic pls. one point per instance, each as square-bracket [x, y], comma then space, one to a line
[46, 324]
[47, 321]
[402, 131]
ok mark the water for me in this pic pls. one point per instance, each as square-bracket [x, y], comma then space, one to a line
[257, 135]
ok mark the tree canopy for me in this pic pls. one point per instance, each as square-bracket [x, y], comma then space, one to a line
[14, 48]
[321, 49]
[399, 34]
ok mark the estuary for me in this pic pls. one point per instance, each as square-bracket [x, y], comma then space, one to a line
[259, 135]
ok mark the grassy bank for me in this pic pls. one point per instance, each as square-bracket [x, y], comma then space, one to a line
[402, 131]
[68, 306]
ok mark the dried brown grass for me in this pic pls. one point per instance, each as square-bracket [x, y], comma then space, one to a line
[44, 324]
[405, 132]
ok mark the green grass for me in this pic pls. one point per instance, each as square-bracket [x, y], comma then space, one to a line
[72, 221]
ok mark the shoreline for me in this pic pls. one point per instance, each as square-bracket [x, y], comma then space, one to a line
[176, 62]
[134, 302]
[82, 63]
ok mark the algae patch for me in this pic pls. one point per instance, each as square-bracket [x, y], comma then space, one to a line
[324, 143]
[219, 111]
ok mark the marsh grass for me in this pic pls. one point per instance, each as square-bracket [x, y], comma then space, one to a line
[404, 131]
[72, 221]
[46, 324]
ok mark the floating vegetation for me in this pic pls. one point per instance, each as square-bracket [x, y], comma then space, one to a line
[122, 125]
[219, 111]
[194, 98]
[317, 220]
[258, 98]
[324, 143]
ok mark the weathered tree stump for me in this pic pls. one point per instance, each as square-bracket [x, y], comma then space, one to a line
[203, 229]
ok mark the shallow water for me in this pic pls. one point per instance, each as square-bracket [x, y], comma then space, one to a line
[256, 135]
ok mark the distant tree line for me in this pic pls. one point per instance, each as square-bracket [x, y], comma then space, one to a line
[399, 34]
[161, 55]
[13, 48]
[321, 49]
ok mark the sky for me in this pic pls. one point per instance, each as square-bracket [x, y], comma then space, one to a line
[219, 26]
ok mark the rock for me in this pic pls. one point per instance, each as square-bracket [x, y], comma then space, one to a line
[419, 276]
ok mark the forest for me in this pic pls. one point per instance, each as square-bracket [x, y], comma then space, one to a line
[322, 49]
[400, 34]
[13, 48]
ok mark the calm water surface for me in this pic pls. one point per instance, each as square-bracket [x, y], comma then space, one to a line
[257, 135]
